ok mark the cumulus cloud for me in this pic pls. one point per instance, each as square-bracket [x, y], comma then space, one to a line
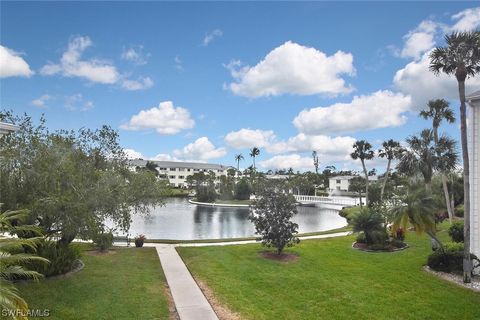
[466, 20]
[210, 36]
[133, 154]
[416, 80]
[166, 119]
[294, 161]
[248, 138]
[12, 64]
[366, 112]
[72, 65]
[135, 55]
[41, 102]
[141, 84]
[294, 69]
[201, 149]
[419, 40]
[76, 102]
[330, 147]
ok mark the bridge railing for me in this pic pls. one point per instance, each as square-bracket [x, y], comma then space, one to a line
[327, 200]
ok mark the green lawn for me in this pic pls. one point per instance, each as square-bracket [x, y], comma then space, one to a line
[331, 281]
[128, 284]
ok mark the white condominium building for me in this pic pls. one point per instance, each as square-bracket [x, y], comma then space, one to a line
[177, 172]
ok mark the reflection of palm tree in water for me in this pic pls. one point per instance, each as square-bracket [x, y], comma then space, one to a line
[202, 218]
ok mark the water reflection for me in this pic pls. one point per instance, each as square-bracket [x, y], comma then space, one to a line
[179, 219]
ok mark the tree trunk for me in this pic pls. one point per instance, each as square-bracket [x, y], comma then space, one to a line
[360, 197]
[366, 181]
[447, 198]
[467, 262]
[385, 179]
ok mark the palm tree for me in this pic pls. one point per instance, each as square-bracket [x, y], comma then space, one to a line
[391, 150]
[363, 151]
[253, 153]
[417, 208]
[439, 110]
[12, 262]
[238, 158]
[425, 157]
[315, 161]
[461, 57]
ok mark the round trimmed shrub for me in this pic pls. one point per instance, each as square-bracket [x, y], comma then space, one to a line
[455, 231]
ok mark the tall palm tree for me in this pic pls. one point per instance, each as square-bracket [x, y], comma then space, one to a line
[461, 57]
[391, 150]
[425, 156]
[439, 110]
[238, 158]
[12, 262]
[363, 151]
[253, 153]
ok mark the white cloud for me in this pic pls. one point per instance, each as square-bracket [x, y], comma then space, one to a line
[133, 154]
[467, 20]
[12, 64]
[71, 65]
[420, 40]
[178, 63]
[41, 102]
[140, 84]
[326, 147]
[293, 161]
[416, 80]
[135, 54]
[294, 69]
[164, 157]
[165, 119]
[210, 36]
[248, 138]
[366, 112]
[76, 102]
[200, 149]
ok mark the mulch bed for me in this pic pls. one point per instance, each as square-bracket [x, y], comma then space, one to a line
[365, 247]
[284, 257]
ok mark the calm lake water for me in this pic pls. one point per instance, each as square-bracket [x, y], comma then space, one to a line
[180, 220]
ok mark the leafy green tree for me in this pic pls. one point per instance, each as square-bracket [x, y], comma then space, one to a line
[254, 152]
[271, 213]
[461, 57]
[363, 151]
[13, 261]
[243, 190]
[439, 110]
[72, 181]
[391, 150]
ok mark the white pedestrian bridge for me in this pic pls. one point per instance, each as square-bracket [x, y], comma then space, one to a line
[337, 201]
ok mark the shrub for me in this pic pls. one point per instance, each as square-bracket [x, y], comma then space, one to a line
[139, 240]
[455, 231]
[459, 210]
[349, 213]
[62, 258]
[103, 241]
[397, 243]
[361, 238]
[371, 224]
[451, 260]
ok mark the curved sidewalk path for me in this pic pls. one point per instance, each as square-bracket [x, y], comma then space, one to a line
[189, 300]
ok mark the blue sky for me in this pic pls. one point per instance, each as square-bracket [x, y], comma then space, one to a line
[205, 81]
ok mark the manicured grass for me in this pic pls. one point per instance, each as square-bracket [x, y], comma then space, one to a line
[128, 284]
[331, 281]
[178, 192]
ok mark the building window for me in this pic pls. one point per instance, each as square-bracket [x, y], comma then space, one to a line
[181, 177]
[171, 177]
[173, 169]
[195, 169]
[164, 169]
[181, 169]
[339, 181]
[189, 169]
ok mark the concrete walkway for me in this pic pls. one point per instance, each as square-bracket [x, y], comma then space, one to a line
[189, 300]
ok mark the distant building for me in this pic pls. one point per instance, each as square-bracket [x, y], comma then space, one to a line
[342, 183]
[177, 172]
[7, 128]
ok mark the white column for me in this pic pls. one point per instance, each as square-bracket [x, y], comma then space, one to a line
[473, 127]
